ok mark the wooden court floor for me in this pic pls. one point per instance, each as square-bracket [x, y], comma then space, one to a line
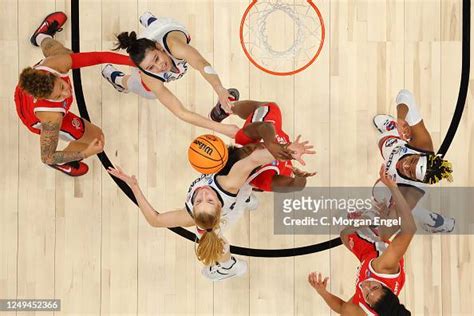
[82, 241]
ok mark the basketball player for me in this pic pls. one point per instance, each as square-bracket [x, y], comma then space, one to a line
[381, 275]
[263, 123]
[162, 53]
[212, 204]
[407, 148]
[44, 96]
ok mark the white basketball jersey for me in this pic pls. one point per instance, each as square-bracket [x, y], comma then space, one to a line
[158, 31]
[233, 205]
[393, 149]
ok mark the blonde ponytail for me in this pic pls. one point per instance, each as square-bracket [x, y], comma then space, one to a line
[210, 246]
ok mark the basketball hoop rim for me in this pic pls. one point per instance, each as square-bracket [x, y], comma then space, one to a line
[287, 73]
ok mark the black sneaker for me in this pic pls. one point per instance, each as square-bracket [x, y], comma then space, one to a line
[51, 24]
[217, 113]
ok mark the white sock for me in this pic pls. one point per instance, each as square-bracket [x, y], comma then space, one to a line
[40, 37]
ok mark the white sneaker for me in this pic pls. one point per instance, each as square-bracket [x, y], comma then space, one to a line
[405, 97]
[441, 224]
[384, 122]
[218, 272]
[251, 204]
[145, 17]
[109, 72]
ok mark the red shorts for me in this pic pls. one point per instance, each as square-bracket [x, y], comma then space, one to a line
[271, 113]
[362, 248]
[72, 127]
[268, 113]
[265, 179]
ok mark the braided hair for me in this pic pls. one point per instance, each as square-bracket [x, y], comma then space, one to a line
[136, 48]
[389, 304]
[438, 169]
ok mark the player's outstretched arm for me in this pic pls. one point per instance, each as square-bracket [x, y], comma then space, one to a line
[172, 103]
[167, 219]
[319, 283]
[241, 170]
[286, 184]
[179, 47]
[50, 127]
[64, 63]
[291, 184]
[266, 132]
[334, 302]
[388, 262]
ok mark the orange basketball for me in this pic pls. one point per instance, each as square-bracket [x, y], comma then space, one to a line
[208, 154]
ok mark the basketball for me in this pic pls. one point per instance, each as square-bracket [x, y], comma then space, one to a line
[207, 154]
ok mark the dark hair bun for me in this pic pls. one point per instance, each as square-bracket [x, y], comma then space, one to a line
[389, 305]
[136, 48]
[126, 40]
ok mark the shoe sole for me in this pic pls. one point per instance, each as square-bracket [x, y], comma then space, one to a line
[32, 40]
[230, 276]
[237, 93]
[454, 226]
[236, 97]
[74, 176]
[373, 122]
[140, 18]
[109, 81]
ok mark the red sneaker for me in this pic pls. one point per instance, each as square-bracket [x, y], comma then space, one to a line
[51, 24]
[73, 168]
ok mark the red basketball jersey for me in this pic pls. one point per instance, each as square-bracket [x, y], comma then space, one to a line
[27, 105]
[267, 113]
[367, 251]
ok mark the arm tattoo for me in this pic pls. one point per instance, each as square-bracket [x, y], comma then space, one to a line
[49, 143]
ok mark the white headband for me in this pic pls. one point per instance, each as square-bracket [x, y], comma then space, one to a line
[421, 167]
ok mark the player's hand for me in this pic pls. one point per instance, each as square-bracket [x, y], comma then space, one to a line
[118, 173]
[224, 96]
[299, 149]
[404, 130]
[382, 207]
[317, 282]
[229, 130]
[279, 151]
[303, 174]
[94, 147]
[386, 179]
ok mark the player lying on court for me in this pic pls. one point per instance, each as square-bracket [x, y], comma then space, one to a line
[44, 96]
[381, 275]
[407, 148]
[263, 123]
[162, 54]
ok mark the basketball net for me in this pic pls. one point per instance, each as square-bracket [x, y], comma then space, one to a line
[282, 37]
